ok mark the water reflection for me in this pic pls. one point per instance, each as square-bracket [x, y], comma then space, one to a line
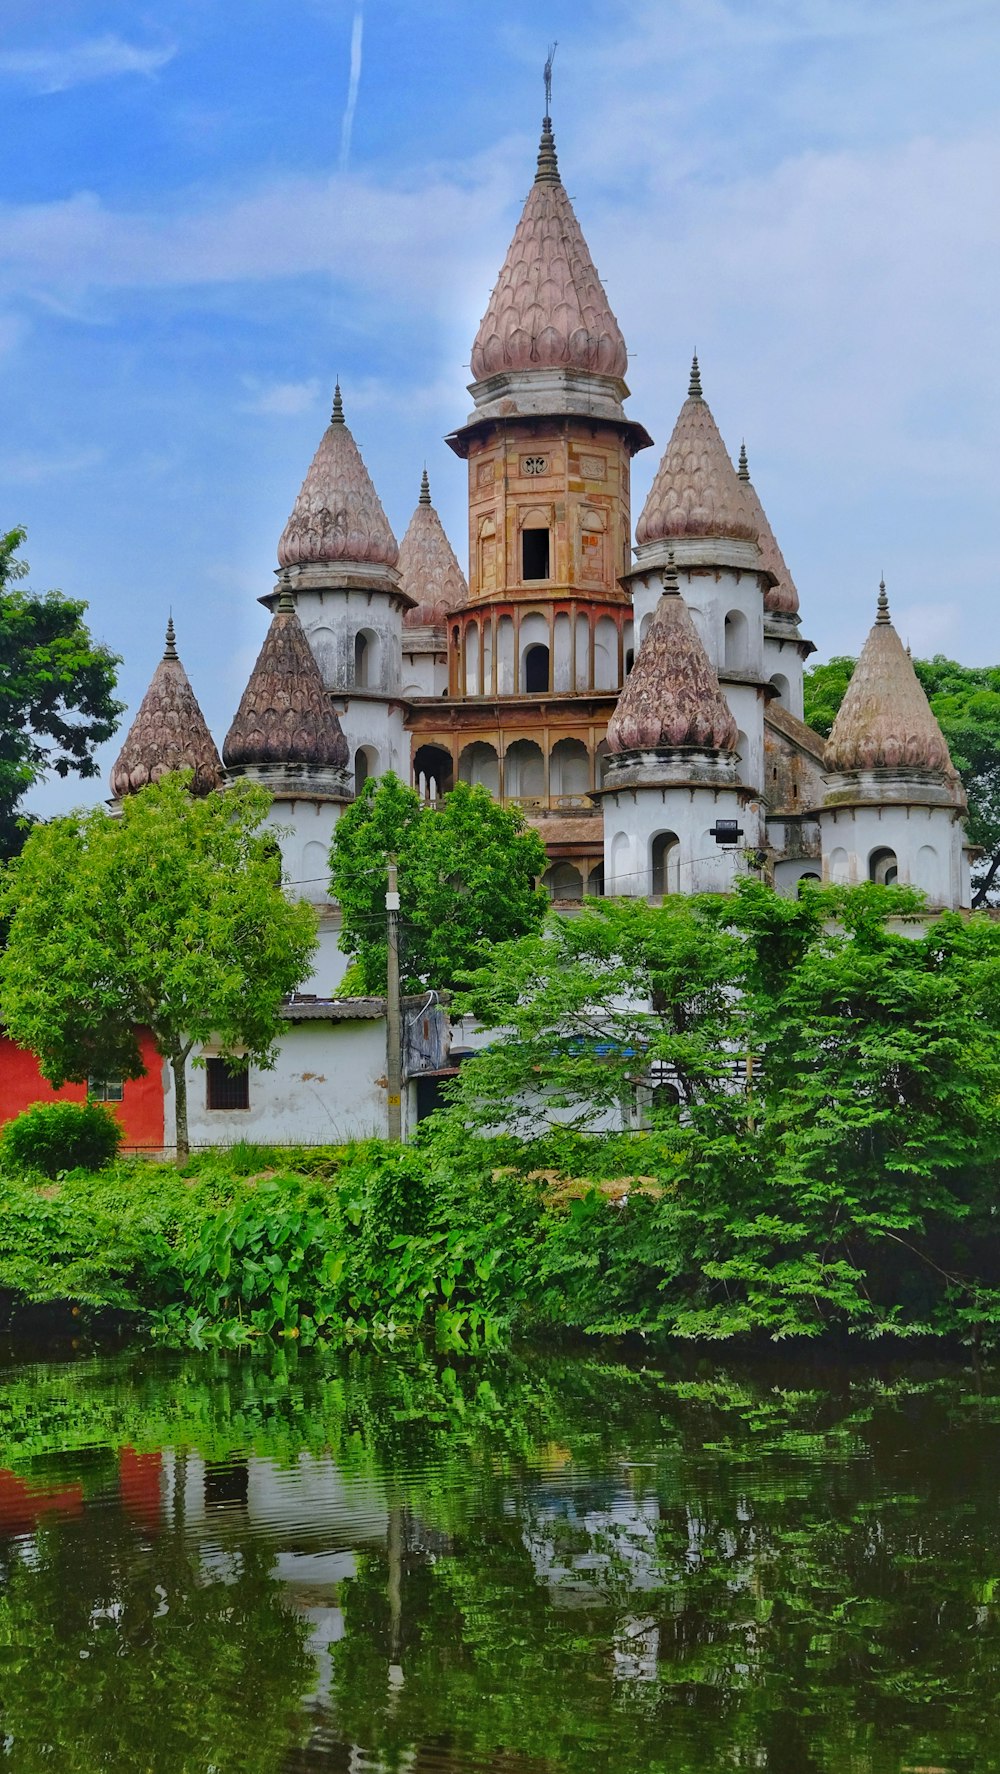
[252, 1566]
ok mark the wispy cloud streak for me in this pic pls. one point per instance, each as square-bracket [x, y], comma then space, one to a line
[354, 82]
[96, 58]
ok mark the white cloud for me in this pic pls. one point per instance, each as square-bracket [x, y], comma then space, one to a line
[284, 400]
[30, 468]
[51, 70]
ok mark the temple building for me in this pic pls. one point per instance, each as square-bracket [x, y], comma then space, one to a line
[638, 694]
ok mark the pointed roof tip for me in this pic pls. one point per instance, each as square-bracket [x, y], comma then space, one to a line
[694, 386]
[425, 489]
[337, 415]
[170, 646]
[548, 166]
[743, 468]
[882, 612]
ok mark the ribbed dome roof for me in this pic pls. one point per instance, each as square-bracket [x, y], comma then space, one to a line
[696, 491]
[169, 733]
[338, 515]
[782, 598]
[429, 569]
[285, 714]
[548, 309]
[672, 695]
[885, 720]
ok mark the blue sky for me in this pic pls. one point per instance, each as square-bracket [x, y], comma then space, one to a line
[203, 220]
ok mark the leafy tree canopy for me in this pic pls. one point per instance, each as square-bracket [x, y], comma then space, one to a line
[820, 1079]
[56, 689]
[467, 876]
[966, 701]
[170, 917]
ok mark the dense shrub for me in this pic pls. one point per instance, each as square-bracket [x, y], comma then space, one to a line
[52, 1137]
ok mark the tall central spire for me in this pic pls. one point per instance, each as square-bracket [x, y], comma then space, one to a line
[548, 309]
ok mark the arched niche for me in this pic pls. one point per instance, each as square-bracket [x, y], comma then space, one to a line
[621, 864]
[479, 765]
[780, 683]
[569, 768]
[366, 659]
[366, 764]
[315, 881]
[535, 669]
[605, 654]
[524, 771]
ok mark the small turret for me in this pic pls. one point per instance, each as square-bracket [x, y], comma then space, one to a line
[169, 732]
[672, 697]
[428, 567]
[338, 515]
[286, 719]
[695, 491]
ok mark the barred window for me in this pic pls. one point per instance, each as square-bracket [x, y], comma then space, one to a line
[226, 1089]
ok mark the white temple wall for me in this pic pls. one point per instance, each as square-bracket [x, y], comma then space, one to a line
[356, 636]
[641, 862]
[784, 667]
[747, 707]
[925, 846]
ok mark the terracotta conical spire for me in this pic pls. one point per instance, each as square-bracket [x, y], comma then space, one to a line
[429, 569]
[548, 309]
[781, 598]
[285, 714]
[169, 733]
[885, 720]
[672, 696]
[696, 491]
[337, 515]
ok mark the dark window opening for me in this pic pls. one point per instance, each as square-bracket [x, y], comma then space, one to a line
[105, 1090]
[534, 554]
[361, 661]
[536, 670]
[629, 660]
[660, 860]
[226, 1089]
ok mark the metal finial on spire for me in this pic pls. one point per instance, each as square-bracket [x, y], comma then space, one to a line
[671, 583]
[694, 386]
[337, 416]
[425, 489]
[548, 165]
[285, 599]
[743, 471]
[548, 78]
[170, 649]
[882, 614]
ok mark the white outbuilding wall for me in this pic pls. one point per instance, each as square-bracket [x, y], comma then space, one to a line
[328, 1085]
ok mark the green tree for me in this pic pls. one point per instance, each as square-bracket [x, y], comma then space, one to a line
[170, 917]
[966, 701]
[822, 1080]
[56, 690]
[468, 874]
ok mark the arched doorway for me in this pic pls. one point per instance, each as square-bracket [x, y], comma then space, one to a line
[883, 867]
[664, 857]
[536, 670]
[432, 772]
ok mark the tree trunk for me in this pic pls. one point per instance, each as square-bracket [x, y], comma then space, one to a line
[178, 1065]
[979, 897]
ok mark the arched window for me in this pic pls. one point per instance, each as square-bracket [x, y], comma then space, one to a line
[663, 864]
[365, 765]
[563, 881]
[432, 772]
[595, 881]
[780, 683]
[883, 867]
[365, 659]
[536, 670]
[622, 881]
[808, 876]
[736, 646]
[602, 761]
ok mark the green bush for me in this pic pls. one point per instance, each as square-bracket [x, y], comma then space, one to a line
[53, 1137]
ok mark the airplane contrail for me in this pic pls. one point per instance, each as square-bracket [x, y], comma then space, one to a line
[354, 82]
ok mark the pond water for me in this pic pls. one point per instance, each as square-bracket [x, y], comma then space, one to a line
[537, 1564]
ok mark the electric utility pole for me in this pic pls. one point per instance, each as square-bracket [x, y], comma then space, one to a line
[393, 1020]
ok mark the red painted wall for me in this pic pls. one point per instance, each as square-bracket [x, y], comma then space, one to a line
[140, 1111]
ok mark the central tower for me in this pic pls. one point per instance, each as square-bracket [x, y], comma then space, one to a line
[538, 654]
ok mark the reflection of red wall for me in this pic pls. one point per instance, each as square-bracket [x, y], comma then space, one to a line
[140, 1111]
[139, 1485]
[21, 1503]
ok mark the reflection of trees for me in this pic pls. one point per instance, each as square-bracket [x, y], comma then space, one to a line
[586, 1568]
[125, 1655]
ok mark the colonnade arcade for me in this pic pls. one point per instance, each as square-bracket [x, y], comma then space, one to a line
[553, 649]
[550, 772]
